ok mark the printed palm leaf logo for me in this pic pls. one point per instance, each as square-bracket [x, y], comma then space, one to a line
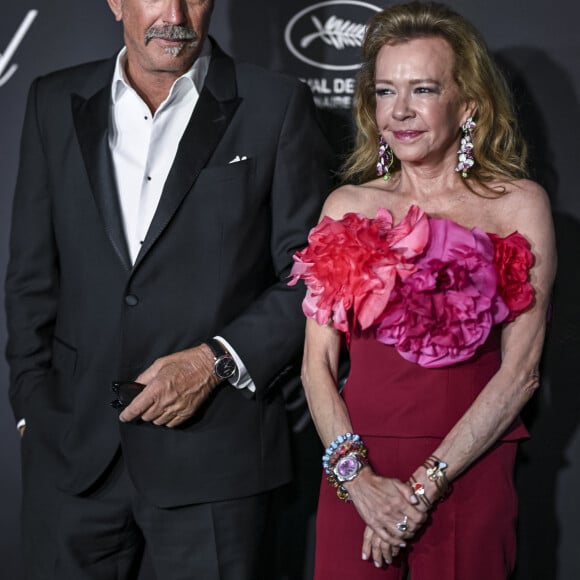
[336, 32]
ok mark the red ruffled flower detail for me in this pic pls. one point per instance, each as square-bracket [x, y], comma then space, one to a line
[432, 288]
[513, 259]
[352, 265]
[444, 311]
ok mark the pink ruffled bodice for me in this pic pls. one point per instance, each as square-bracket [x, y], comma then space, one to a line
[429, 287]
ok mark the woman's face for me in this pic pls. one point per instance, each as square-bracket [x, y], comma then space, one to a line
[418, 106]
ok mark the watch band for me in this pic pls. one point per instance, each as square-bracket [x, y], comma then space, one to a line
[217, 348]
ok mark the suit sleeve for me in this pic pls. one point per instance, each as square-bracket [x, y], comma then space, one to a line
[269, 335]
[32, 274]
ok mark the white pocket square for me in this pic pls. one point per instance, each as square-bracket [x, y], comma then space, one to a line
[238, 158]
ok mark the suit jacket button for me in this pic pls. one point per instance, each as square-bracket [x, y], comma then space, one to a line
[131, 300]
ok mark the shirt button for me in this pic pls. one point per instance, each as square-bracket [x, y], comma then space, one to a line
[131, 300]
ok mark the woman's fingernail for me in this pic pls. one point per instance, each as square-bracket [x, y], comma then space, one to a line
[364, 556]
[377, 564]
[402, 545]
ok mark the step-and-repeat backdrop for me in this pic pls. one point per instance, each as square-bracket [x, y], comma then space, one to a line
[538, 45]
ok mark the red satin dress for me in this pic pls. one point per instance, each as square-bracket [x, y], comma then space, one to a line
[402, 411]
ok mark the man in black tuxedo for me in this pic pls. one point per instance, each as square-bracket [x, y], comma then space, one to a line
[160, 197]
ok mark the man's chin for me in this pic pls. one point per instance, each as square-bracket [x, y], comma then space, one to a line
[168, 62]
[175, 50]
[185, 50]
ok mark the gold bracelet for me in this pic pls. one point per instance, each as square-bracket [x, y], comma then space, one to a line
[419, 491]
[436, 473]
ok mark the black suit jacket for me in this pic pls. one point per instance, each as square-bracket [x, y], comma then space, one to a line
[215, 261]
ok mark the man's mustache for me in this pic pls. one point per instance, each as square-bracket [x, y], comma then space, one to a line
[170, 32]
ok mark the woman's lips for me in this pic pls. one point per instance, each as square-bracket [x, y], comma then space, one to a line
[406, 135]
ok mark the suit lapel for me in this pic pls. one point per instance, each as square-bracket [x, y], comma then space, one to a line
[91, 118]
[213, 112]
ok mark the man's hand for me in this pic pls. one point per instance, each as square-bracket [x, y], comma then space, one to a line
[176, 386]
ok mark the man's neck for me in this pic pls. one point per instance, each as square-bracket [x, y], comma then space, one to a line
[153, 87]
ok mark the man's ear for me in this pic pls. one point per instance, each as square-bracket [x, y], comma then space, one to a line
[116, 7]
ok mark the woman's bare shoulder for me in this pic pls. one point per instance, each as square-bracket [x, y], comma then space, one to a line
[349, 198]
[521, 191]
[523, 199]
[523, 206]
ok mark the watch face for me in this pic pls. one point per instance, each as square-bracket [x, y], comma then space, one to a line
[347, 468]
[225, 367]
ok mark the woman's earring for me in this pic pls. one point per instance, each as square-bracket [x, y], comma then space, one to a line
[465, 153]
[386, 159]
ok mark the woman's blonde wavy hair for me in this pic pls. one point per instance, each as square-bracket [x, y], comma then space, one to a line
[499, 150]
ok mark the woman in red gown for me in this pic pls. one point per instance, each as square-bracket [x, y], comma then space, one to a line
[437, 272]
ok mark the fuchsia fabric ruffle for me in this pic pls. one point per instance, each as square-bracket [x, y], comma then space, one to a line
[432, 288]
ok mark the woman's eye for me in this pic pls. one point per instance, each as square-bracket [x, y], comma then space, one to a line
[426, 90]
[383, 92]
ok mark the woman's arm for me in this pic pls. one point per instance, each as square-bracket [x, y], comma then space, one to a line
[381, 502]
[502, 399]
[319, 377]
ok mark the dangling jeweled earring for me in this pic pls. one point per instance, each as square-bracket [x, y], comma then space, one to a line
[386, 159]
[465, 153]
